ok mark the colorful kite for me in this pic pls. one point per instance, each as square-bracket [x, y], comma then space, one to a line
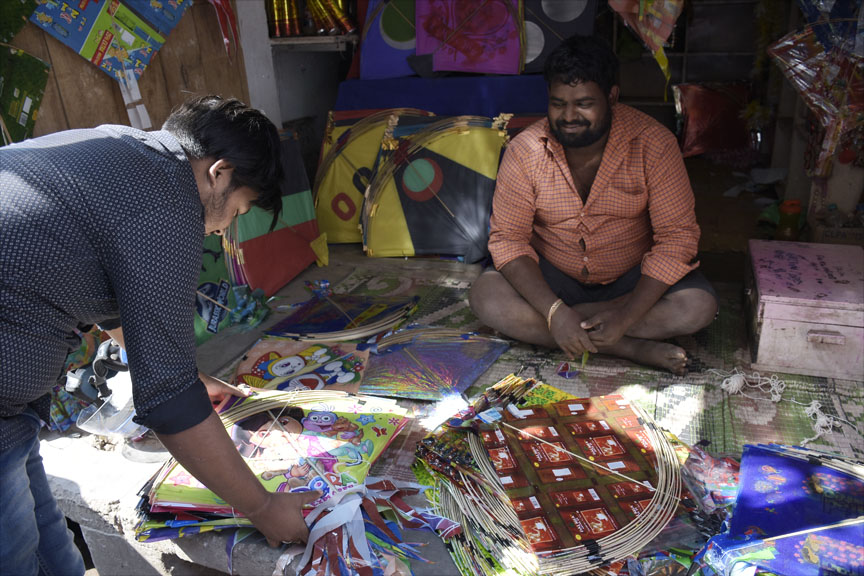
[432, 191]
[268, 259]
[548, 23]
[339, 317]
[653, 22]
[478, 36]
[797, 513]
[351, 145]
[281, 364]
[293, 441]
[430, 366]
[388, 39]
[825, 64]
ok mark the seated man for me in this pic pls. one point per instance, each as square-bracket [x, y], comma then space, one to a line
[593, 230]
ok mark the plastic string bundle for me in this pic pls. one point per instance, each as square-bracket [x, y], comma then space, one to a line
[737, 381]
[349, 535]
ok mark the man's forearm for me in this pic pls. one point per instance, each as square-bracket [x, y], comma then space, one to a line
[646, 294]
[525, 276]
[208, 453]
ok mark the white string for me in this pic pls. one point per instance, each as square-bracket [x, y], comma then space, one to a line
[737, 381]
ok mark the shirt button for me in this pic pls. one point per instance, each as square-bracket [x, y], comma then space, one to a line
[582, 214]
[585, 259]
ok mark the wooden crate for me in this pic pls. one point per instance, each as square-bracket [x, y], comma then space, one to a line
[806, 308]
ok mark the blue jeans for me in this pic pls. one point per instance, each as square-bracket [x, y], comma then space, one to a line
[34, 538]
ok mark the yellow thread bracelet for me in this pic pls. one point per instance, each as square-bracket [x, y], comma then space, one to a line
[551, 312]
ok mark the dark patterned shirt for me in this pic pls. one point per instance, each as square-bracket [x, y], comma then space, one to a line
[99, 226]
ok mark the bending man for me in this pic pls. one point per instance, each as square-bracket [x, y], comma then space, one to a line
[106, 226]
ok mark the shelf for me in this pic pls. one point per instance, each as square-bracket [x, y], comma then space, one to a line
[315, 43]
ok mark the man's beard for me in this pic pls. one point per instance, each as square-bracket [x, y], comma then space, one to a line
[586, 137]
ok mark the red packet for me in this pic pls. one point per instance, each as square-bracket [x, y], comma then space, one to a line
[606, 447]
[545, 432]
[589, 427]
[540, 533]
[492, 438]
[502, 459]
[514, 479]
[525, 413]
[575, 498]
[547, 455]
[589, 524]
[623, 465]
[561, 474]
[640, 437]
[629, 420]
[526, 507]
[574, 407]
[614, 402]
[627, 490]
[636, 507]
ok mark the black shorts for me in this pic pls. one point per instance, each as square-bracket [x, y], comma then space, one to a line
[571, 291]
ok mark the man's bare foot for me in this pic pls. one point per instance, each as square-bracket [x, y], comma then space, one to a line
[660, 354]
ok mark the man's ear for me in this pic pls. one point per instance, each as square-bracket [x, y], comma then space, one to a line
[220, 171]
[613, 95]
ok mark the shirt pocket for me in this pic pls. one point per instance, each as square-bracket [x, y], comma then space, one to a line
[625, 198]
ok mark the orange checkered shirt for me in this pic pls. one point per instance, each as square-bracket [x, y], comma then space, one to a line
[641, 206]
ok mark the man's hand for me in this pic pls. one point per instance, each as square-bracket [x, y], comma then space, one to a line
[280, 518]
[218, 390]
[568, 334]
[606, 328]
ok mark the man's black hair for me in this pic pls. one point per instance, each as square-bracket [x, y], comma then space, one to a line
[582, 59]
[225, 128]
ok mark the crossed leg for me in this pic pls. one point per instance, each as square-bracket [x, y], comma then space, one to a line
[498, 305]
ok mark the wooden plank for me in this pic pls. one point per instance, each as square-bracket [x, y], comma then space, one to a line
[180, 60]
[90, 97]
[154, 93]
[51, 116]
[223, 75]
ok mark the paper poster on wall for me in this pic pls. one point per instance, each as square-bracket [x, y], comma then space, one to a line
[105, 32]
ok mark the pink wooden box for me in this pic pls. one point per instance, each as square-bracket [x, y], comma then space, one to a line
[806, 308]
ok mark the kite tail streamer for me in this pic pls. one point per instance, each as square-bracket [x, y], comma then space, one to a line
[349, 535]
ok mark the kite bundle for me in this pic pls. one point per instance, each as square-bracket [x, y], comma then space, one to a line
[432, 191]
[294, 441]
[543, 482]
[348, 155]
[339, 317]
[798, 512]
[428, 363]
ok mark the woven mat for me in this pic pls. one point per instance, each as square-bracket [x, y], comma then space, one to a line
[693, 407]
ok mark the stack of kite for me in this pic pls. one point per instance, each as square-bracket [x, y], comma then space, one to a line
[427, 363]
[339, 317]
[348, 152]
[432, 191]
[298, 442]
[266, 256]
[543, 482]
[798, 512]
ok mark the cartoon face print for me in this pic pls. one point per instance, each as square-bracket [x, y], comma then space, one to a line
[317, 354]
[309, 381]
[287, 366]
[317, 421]
[334, 372]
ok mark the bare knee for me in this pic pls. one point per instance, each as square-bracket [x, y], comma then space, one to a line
[482, 296]
[695, 309]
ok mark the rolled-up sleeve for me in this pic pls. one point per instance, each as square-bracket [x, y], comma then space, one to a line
[671, 208]
[154, 276]
[512, 220]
